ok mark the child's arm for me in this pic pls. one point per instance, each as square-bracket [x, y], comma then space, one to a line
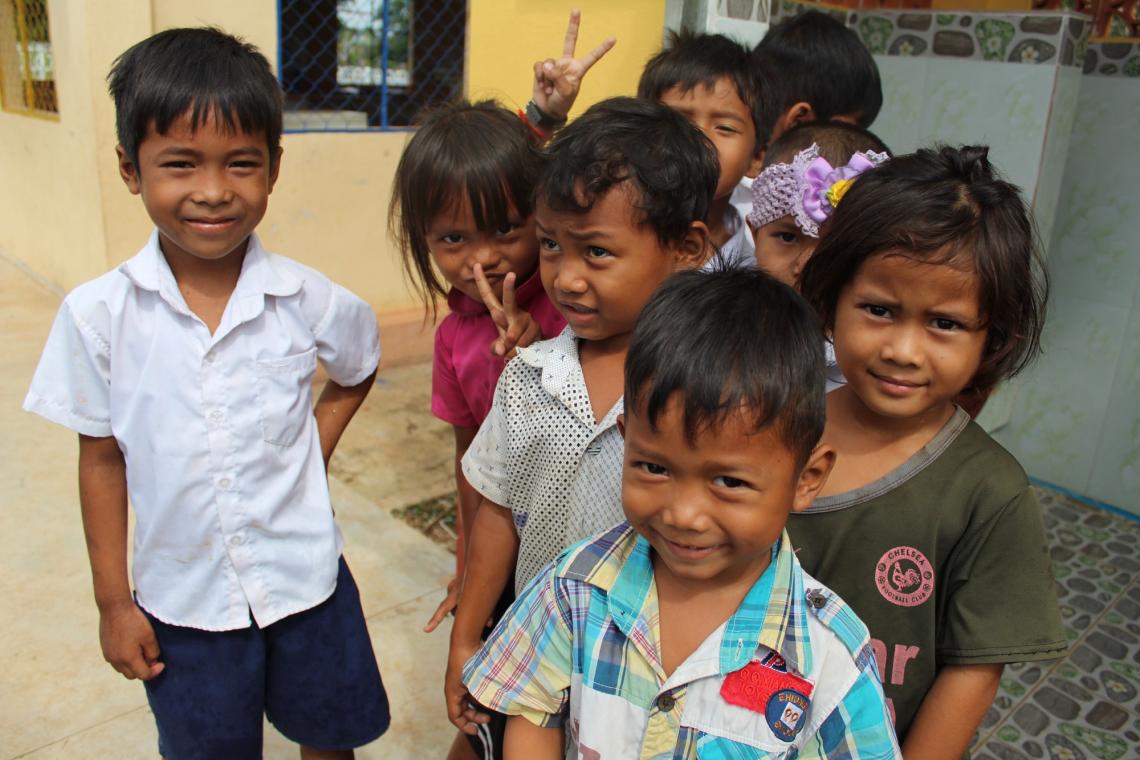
[558, 81]
[952, 711]
[469, 500]
[517, 328]
[334, 410]
[525, 741]
[491, 556]
[125, 635]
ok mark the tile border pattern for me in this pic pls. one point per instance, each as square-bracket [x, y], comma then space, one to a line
[1057, 38]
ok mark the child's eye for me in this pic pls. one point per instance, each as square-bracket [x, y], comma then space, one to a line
[947, 324]
[876, 311]
[451, 238]
[547, 244]
[651, 467]
[507, 228]
[246, 164]
[789, 238]
[727, 481]
[594, 252]
[176, 165]
[726, 129]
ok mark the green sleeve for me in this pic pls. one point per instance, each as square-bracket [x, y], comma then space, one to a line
[1002, 602]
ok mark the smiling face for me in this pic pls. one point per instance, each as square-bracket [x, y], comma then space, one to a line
[909, 337]
[712, 508]
[782, 249]
[727, 121]
[600, 267]
[206, 189]
[457, 244]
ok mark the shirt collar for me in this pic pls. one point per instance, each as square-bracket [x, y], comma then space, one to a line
[772, 615]
[461, 303]
[149, 270]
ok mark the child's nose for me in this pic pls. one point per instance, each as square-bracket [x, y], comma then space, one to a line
[903, 346]
[485, 255]
[687, 509]
[569, 278]
[214, 189]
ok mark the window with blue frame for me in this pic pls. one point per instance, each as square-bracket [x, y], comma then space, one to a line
[368, 64]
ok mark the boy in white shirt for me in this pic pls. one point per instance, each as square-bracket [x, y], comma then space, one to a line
[187, 372]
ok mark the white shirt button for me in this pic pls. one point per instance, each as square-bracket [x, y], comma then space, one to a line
[211, 357]
[217, 415]
[225, 484]
[235, 540]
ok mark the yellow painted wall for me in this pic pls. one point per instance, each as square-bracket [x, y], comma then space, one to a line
[505, 37]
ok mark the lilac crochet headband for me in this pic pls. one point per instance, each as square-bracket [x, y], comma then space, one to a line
[808, 188]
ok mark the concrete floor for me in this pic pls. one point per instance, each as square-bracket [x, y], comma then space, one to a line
[58, 699]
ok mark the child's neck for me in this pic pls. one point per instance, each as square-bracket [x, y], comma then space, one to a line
[690, 612]
[206, 284]
[870, 446]
[719, 234]
[603, 369]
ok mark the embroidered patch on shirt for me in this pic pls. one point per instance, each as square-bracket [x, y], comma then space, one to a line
[785, 713]
[754, 686]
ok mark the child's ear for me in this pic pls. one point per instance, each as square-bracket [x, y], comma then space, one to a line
[621, 425]
[693, 250]
[127, 169]
[800, 113]
[757, 164]
[275, 168]
[813, 476]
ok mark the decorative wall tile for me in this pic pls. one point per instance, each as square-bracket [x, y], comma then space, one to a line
[1113, 59]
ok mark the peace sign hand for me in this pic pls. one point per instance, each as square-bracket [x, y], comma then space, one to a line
[557, 82]
[517, 328]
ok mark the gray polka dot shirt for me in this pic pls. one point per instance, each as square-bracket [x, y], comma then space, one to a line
[542, 454]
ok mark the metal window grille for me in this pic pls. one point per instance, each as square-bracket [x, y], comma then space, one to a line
[368, 64]
[27, 69]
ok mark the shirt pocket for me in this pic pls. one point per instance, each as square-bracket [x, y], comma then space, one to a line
[285, 396]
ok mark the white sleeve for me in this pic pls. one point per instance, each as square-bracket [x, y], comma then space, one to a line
[486, 464]
[348, 339]
[72, 384]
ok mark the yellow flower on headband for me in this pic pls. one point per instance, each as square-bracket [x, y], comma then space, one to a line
[836, 192]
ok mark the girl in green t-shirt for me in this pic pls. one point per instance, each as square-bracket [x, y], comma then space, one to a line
[928, 282]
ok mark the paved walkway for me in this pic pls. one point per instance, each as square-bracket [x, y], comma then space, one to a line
[58, 699]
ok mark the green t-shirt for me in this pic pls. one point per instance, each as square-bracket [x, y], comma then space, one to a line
[944, 559]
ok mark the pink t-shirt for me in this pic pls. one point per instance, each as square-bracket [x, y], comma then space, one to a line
[464, 370]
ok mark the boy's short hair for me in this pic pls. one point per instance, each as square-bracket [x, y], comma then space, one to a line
[690, 59]
[670, 165]
[943, 205]
[837, 141]
[813, 58]
[200, 72]
[730, 341]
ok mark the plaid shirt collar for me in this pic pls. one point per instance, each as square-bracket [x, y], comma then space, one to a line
[772, 614]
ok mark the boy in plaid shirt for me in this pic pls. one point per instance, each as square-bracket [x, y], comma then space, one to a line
[691, 629]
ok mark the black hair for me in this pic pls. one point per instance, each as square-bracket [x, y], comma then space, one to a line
[837, 141]
[690, 59]
[730, 341]
[814, 58]
[669, 164]
[200, 72]
[480, 149]
[944, 206]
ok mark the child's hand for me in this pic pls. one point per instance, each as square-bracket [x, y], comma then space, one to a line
[517, 328]
[460, 705]
[128, 642]
[557, 82]
[447, 606]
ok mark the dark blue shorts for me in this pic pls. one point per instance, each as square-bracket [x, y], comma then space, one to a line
[313, 674]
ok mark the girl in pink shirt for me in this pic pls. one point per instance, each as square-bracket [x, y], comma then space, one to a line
[462, 215]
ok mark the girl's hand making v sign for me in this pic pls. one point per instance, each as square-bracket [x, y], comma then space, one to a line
[516, 326]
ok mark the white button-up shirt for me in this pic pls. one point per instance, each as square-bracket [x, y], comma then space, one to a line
[542, 453]
[224, 465]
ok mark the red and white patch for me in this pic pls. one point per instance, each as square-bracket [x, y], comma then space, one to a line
[753, 686]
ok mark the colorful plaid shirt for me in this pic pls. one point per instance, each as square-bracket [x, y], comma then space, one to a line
[790, 674]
